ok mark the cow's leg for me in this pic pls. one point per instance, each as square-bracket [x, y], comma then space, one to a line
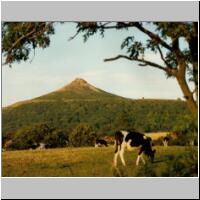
[116, 156]
[139, 156]
[138, 159]
[122, 153]
[143, 159]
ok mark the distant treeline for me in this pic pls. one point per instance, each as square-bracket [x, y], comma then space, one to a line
[103, 116]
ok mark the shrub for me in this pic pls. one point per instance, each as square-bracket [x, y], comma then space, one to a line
[185, 139]
[146, 170]
[187, 129]
[55, 138]
[82, 135]
[30, 137]
[184, 165]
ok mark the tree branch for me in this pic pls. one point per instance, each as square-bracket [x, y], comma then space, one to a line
[161, 55]
[142, 29]
[169, 68]
[143, 62]
[41, 31]
[127, 25]
[72, 37]
[152, 35]
[32, 32]
[27, 35]
[20, 39]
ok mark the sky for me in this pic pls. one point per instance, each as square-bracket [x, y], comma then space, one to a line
[56, 66]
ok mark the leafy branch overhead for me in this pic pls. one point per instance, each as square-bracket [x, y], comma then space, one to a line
[20, 38]
[164, 39]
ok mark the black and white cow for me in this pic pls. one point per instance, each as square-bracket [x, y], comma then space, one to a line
[100, 143]
[130, 140]
[166, 141]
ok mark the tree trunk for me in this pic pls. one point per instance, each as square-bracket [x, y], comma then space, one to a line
[188, 95]
[195, 74]
[193, 45]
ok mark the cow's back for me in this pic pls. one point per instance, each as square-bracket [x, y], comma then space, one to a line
[136, 138]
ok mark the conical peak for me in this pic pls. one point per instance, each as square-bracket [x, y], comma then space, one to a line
[79, 81]
[79, 84]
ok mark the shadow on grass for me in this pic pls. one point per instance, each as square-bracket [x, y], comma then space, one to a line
[165, 158]
[158, 161]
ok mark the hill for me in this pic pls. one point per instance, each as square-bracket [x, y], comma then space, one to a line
[80, 102]
[77, 90]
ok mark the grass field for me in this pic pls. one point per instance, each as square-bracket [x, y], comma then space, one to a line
[97, 162]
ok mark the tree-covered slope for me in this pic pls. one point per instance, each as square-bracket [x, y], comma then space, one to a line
[80, 102]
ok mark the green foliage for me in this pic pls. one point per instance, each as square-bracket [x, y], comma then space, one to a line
[123, 121]
[162, 38]
[31, 136]
[134, 48]
[187, 130]
[184, 165]
[179, 165]
[56, 138]
[28, 136]
[146, 170]
[105, 115]
[82, 135]
[20, 38]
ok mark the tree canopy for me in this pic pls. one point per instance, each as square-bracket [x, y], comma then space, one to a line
[19, 38]
[163, 39]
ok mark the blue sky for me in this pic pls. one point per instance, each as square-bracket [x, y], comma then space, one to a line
[64, 60]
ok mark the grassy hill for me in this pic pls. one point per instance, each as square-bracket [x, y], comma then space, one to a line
[80, 102]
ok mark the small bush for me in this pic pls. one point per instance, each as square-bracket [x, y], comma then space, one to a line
[26, 137]
[184, 165]
[55, 138]
[30, 137]
[185, 139]
[82, 135]
[187, 130]
[146, 170]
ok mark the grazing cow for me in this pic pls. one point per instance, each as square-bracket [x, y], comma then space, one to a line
[165, 141]
[100, 143]
[132, 139]
[42, 146]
